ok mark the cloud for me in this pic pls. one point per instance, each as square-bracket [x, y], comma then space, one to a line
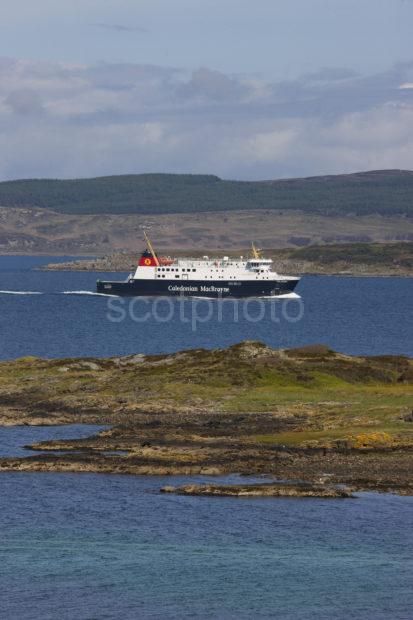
[208, 85]
[24, 101]
[122, 28]
[68, 120]
[330, 74]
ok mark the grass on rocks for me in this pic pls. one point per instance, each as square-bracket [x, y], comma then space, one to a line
[364, 401]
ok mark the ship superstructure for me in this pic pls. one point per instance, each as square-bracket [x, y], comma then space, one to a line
[202, 277]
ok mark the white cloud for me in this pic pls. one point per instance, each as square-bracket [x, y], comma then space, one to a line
[268, 146]
[63, 120]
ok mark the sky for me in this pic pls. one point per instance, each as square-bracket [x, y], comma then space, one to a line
[245, 89]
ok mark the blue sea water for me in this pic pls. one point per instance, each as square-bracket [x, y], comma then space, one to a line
[64, 318]
[14, 440]
[86, 547]
[82, 546]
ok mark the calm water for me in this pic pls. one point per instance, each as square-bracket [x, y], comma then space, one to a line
[13, 439]
[93, 547]
[83, 547]
[353, 315]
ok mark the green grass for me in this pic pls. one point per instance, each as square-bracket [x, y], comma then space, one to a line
[330, 395]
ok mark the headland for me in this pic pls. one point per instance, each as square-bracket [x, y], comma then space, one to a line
[308, 414]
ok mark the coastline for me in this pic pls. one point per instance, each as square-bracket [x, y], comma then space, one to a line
[248, 409]
[354, 260]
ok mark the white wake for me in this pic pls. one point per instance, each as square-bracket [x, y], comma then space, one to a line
[258, 297]
[284, 296]
[21, 293]
[87, 293]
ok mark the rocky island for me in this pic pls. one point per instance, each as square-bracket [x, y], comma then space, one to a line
[277, 489]
[356, 259]
[308, 414]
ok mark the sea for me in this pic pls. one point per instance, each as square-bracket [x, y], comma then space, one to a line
[92, 547]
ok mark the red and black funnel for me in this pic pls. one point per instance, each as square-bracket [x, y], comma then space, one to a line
[147, 259]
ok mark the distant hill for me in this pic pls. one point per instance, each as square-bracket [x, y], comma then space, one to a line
[383, 192]
[391, 259]
[396, 255]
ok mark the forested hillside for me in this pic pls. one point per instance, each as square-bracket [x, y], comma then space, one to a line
[385, 192]
[399, 255]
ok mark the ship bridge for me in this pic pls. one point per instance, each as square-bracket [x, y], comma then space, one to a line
[259, 264]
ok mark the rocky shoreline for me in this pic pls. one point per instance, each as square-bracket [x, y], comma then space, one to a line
[315, 260]
[307, 414]
[260, 490]
[361, 471]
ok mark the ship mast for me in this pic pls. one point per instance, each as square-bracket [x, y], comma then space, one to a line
[150, 246]
[255, 252]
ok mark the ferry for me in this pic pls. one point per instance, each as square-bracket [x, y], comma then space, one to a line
[207, 277]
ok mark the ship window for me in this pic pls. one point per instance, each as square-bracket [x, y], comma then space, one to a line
[193, 269]
[177, 276]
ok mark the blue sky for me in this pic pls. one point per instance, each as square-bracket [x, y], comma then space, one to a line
[239, 88]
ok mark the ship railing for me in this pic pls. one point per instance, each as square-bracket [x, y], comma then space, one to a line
[210, 261]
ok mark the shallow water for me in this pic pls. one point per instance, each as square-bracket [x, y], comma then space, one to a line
[14, 438]
[85, 546]
[90, 546]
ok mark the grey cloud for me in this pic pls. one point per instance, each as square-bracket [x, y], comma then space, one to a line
[126, 76]
[24, 101]
[128, 117]
[334, 97]
[212, 85]
[330, 74]
[122, 28]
